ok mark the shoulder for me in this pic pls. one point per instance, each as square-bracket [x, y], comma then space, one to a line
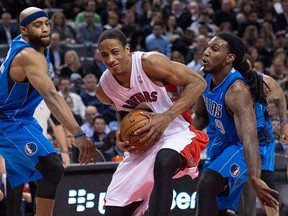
[30, 55]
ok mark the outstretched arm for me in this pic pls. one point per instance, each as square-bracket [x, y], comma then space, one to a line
[32, 65]
[240, 103]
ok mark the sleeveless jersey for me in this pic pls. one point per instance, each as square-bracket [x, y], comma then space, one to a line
[17, 100]
[219, 116]
[142, 94]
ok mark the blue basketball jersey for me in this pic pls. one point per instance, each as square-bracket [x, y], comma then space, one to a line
[21, 138]
[17, 100]
[225, 153]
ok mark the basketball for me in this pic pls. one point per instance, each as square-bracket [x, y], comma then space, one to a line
[129, 124]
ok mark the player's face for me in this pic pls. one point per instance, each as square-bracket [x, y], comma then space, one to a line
[114, 56]
[38, 32]
[215, 55]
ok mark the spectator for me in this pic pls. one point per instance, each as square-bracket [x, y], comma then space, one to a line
[111, 6]
[189, 16]
[266, 31]
[90, 113]
[129, 24]
[88, 32]
[99, 126]
[146, 15]
[177, 57]
[95, 67]
[109, 147]
[69, 101]
[112, 21]
[88, 94]
[203, 21]
[250, 35]
[196, 63]
[252, 20]
[59, 25]
[226, 14]
[72, 65]
[243, 14]
[64, 91]
[172, 31]
[7, 31]
[56, 52]
[282, 18]
[90, 7]
[137, 42]
[157, 40]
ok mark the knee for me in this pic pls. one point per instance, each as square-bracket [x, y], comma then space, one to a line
[209, 181]
[51, 168]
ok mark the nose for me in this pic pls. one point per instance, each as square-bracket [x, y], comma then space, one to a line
[205, 53]
[110, 59]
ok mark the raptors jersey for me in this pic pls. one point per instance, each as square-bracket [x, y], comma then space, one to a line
[142, 94]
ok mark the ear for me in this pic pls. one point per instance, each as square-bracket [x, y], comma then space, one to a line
[230, 58]
[23, 30]
[127, 48]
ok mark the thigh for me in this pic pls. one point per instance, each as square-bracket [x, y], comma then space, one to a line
[20, 146]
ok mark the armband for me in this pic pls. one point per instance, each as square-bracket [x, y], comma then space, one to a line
[79, 135]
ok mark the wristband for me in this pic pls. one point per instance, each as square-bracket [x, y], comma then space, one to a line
[284, 123]
[79, 135]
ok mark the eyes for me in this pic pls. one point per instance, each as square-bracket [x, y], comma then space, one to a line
[114, 53]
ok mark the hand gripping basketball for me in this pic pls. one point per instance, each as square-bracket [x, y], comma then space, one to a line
[129, 124]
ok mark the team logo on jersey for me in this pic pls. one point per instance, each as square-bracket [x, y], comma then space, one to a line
[139, 79]
[31, 148]
[234, 170]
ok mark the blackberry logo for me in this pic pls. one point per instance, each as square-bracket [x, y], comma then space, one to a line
[81, 199]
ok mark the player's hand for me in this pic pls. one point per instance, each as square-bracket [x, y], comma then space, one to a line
[66, 159]
[86, 149]
[263, 193]
[155, 129]
[123, 146]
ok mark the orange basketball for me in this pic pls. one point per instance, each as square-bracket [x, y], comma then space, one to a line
[129, 124]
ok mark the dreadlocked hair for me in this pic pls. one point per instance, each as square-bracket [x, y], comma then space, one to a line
[254, 81]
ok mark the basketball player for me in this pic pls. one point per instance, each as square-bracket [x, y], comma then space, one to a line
[24, 81]
[227, 106]
[137, 81]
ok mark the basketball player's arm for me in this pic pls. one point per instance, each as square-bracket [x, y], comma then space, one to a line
[101, 95]
[34, 66]
[276, 93]
[239, 102]
[200, 115]
[161, 70]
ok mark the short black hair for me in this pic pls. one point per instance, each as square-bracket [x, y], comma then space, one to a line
[113, 34]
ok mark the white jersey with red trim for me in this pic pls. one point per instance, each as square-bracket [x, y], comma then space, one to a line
[142, 94]
[133, 179]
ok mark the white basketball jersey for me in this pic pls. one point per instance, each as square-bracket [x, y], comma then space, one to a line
[142, 94]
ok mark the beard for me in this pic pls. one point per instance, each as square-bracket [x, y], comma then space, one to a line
[38, 41]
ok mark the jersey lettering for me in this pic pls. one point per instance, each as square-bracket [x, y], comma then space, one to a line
[213, 107]
[140, 97]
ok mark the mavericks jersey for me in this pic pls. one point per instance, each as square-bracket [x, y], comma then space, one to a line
[17, 100]
[219, 116]
[142, 94]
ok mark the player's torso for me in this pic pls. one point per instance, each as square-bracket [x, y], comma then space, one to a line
[218, 114]
[142, 94]
[17, 100]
